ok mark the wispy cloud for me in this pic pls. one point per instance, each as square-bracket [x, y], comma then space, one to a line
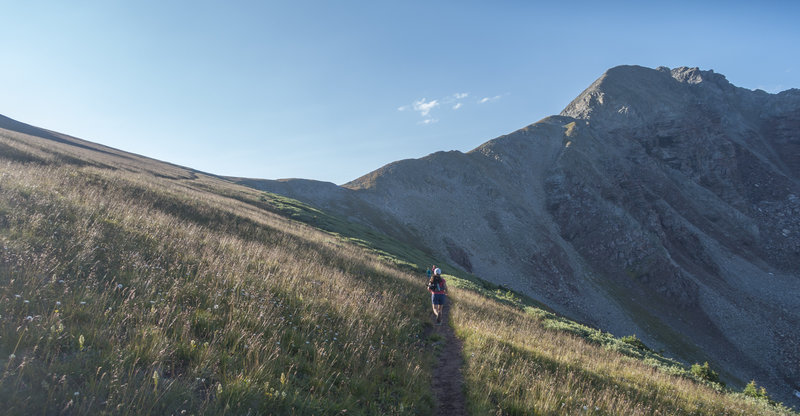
[426, 108]
[485, 100]
[423, 106]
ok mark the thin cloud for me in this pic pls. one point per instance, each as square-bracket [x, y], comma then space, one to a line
[485, 100]
[425, 107]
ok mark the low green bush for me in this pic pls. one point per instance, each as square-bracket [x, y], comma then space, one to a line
[705, 373]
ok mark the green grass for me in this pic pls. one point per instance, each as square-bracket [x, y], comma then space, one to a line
[133, 287]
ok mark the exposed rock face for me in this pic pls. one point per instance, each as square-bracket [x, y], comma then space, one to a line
[664, 203]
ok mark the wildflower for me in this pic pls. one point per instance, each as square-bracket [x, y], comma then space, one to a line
[216, 306]
[119, 286]
[11, 357]
[26, 301]
[58, 303]
[77, 393]
[83, 302]
[61, 281]
[17, 296]
[29, 318]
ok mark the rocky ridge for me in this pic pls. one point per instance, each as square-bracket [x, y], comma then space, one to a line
[664, 203]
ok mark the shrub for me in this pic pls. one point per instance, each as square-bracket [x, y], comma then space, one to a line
[636, 342]
[704, 372]
[752, 390]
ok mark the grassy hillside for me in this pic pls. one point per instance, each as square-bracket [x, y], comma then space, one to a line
[142, 291]
[129, 286]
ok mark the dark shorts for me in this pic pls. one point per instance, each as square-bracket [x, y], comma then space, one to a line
[437, 299]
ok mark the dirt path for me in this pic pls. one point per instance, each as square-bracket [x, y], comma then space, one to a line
[448, 382]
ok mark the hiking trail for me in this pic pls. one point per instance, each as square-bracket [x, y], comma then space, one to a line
[448, 382]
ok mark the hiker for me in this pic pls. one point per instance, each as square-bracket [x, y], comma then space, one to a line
[438, 288]
[429, 272]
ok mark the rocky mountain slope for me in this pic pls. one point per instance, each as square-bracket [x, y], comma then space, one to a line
[664, 203]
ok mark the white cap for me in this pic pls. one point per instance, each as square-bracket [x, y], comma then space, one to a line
[438, 271]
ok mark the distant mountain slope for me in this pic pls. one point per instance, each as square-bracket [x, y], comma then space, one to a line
[660, 202]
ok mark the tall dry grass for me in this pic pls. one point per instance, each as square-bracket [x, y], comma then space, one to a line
[516, 365]
[125, 292]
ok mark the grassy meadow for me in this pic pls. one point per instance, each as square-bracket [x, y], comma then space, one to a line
[132, 287]
[128, 291]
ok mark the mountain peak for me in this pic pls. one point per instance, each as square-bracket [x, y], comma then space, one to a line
[628, 96]
[695, 75]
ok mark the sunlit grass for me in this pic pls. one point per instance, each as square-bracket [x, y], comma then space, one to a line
[127, 293]
[522, 362]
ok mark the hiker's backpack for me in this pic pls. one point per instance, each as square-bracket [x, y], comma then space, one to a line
[435, 284]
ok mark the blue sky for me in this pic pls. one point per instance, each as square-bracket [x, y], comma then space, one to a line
[331, 90]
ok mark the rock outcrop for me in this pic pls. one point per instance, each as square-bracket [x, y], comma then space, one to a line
[664, 203]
